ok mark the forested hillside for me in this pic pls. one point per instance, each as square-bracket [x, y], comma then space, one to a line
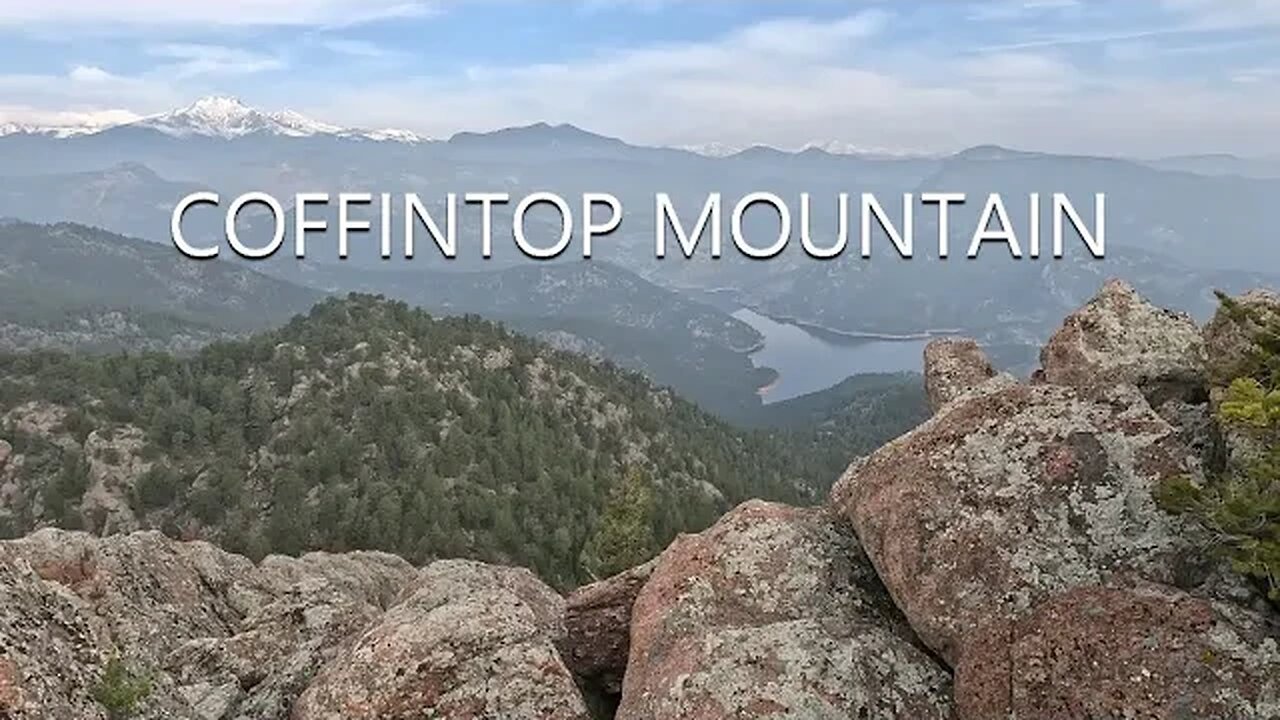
[73, 287]
[367, 424]
[853, 418]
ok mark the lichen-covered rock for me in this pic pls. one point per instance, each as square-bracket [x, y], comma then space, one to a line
[473, 641]
[115, 462]
[320, 603]
[774, 613]
[952, 367]
[1014, 494]
[375, 578]
[217, 637]
[151, 592]
[597, 622]
[5, 451]
[1119, 337]
[50, 651]
[1133, 652]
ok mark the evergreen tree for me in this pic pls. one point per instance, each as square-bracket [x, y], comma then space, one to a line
[624, 537]
[1242, 506]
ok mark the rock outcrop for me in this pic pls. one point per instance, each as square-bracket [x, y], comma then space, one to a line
[773, 613]
[953, 366]
[1233, 334]
[49, 649]
[149, 592]
[1140, 652]
[1013, 494]
[216, 636]
[472, 641]
[598, 628]
[1121, 338]
[1018, 531]
[317, 605]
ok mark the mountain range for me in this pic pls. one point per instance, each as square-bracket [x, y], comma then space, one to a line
[1178, 230]
[221, 117]
[225, 117]
[76, 288]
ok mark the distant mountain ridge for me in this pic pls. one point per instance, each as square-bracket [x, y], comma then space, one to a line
[226, 118]
[229, 118]
[73, 287]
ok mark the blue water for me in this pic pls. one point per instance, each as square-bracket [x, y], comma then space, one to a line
[807, 362]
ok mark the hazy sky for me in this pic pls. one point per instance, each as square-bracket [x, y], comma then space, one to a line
[1137, 77]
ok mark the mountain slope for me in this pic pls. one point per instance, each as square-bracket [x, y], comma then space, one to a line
[370, 425]
[76, 287]
[590, 307]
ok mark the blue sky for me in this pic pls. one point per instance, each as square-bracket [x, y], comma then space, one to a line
[1138, 77]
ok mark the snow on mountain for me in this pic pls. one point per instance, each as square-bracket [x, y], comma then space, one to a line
[388, 135]
[222, 117]
[227, 118]
[300, 124]
[832, 147]
[58, 131]
[840, 147]
[713, 149]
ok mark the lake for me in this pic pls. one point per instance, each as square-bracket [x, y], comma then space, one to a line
[807, 362]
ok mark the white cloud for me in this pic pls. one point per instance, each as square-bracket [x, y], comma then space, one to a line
[85, 93]
[195, 59]
[153, 13]
[91, 74]
[64, 118]
[359, 49]
[792, 82]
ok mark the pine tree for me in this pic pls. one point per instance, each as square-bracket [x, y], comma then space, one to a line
[624, 537]
[1242, 507]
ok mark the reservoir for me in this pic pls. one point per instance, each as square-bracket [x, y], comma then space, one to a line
[807, 362]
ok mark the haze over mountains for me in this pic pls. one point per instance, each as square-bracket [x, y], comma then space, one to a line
[1177, 228]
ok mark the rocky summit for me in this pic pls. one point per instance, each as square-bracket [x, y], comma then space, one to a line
[1008, 559]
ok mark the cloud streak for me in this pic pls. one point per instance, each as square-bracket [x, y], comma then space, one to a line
[194, 60]
[150, 14]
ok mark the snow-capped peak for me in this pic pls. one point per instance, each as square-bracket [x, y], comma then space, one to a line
[840, 147]
[214, 116]
[713, 149]
[227, 118]
[391, 135]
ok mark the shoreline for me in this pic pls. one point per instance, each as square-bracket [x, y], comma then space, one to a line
[850, 339]
[927, 334]
[764, 390]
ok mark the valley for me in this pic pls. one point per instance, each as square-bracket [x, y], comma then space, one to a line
[366, 424]
[811, 361]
